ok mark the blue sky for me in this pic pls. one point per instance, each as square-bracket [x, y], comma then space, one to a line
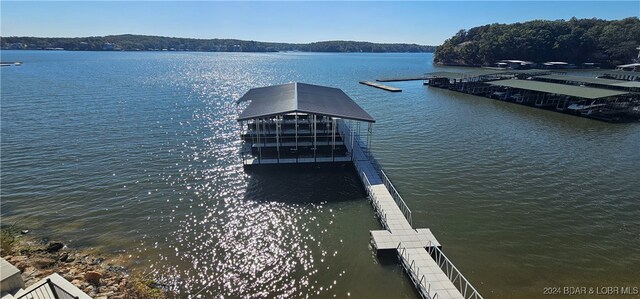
[422, 22]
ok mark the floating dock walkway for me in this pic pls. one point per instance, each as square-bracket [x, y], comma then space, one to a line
[381, 86]
[432, 273]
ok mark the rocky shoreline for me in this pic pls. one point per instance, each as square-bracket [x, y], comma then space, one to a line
[97, 276]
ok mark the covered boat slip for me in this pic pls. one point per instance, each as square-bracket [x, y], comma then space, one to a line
[299, 123]
[603, 99]
[297, 138]
[473, 81]
[621, 75]
[599, 103]
[480, 75]
[443, 79]
[561, 89]
[632, 86]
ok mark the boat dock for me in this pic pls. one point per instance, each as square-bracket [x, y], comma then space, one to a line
[418, 250]
[299, 123]
[381, 86]
[590, 97]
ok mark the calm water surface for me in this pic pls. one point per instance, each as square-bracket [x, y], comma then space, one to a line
[136, 153]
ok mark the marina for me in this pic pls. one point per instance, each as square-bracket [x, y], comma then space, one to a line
[298, 123]
[596, 98]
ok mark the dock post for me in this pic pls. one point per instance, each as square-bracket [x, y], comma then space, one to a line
[333, 138]
[278, 137]
[258, 139]
[296, 129]
[351, 132]
[315, 146]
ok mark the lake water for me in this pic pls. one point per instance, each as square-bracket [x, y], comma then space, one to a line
[137, 154]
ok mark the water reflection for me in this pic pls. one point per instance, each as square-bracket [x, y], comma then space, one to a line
[137, 152]
[267, 239]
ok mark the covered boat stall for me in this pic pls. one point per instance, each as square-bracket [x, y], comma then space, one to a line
[472, 82]
[620, 75]
[599, 103]
[300, 123]
[631, 86]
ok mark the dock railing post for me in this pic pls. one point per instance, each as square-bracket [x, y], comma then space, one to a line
[265, 131]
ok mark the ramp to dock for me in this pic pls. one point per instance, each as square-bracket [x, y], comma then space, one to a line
[432, 273]
[426, 274]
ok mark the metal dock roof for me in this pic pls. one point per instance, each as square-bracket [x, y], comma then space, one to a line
[462, 75]
[303, 98]
[449, 75]
[610, 82]
[569, 90]
[473, 73]
[619, 72]
[629, 84]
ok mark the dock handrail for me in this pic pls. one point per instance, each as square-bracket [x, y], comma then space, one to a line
[455, 276]
[374, 200]
[398, 199]
[362, 154]
[387, 182]
[367, 152]
[420, 282]
[48, 290]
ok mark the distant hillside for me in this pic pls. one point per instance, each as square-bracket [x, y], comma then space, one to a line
[128, 42]
[574, 41]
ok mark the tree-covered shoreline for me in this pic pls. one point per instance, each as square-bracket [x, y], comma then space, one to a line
[574, 41]
[130, 42]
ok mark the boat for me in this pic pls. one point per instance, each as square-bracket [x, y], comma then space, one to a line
[10, 63]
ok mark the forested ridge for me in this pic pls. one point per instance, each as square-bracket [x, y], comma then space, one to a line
[130, 42]
[574, 41]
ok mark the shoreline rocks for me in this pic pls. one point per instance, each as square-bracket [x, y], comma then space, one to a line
[97, 276]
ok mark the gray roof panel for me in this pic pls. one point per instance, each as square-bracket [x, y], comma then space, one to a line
[301, 97]
[570, 90]
[629, 84]
[582, 79]
[269, 100]
[619, 72]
